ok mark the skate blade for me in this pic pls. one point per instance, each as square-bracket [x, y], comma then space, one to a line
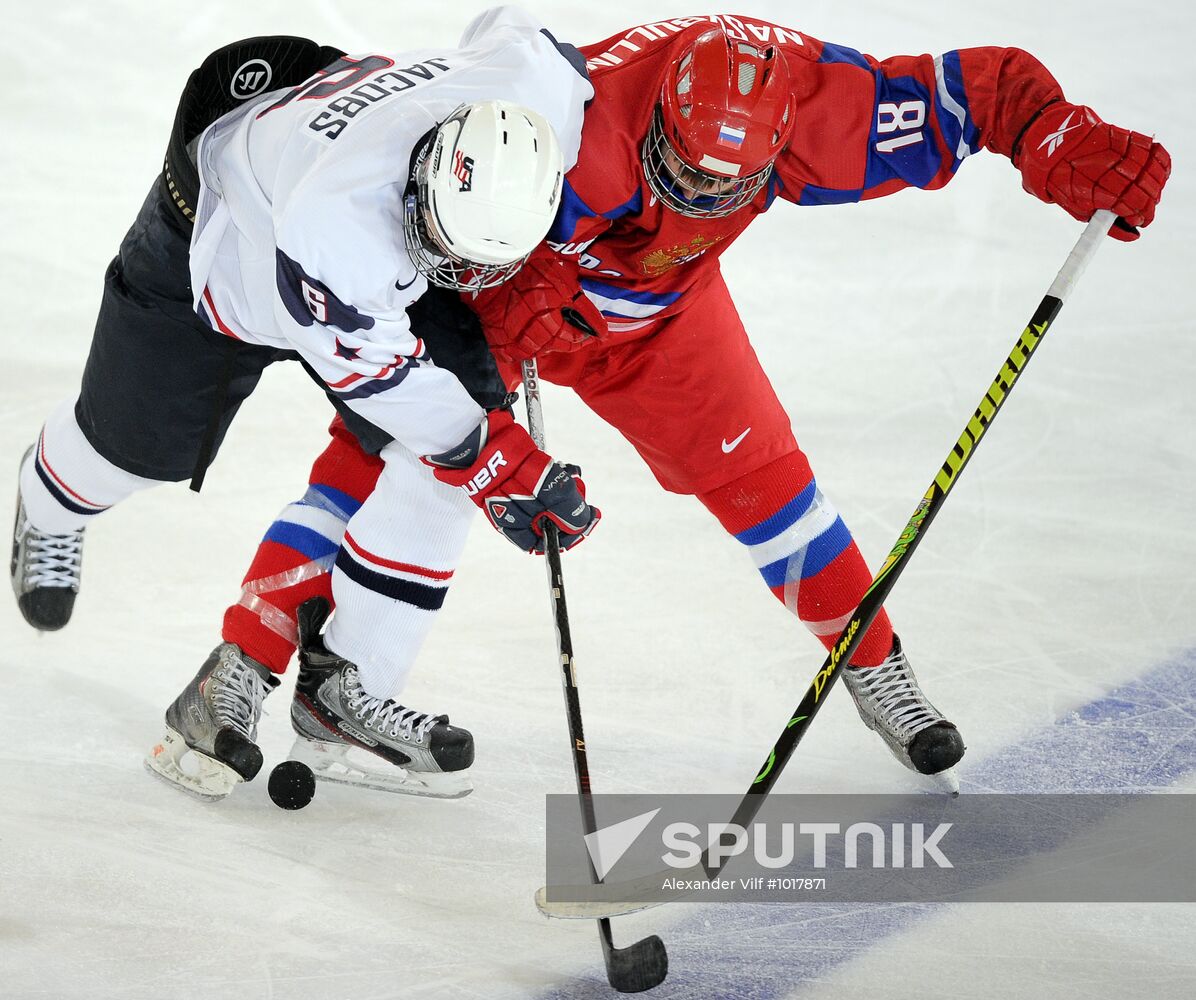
[947, 781]
[188, 770]
[332, 762]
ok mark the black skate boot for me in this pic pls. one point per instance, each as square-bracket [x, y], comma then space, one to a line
[892, 704]
[45, 570]
[348, 736]
[211, 727]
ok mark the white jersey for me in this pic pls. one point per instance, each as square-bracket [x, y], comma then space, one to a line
[298, 238]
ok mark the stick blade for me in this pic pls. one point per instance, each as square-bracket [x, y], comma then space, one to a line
[571, 904]
[636, 968]
[588, 910]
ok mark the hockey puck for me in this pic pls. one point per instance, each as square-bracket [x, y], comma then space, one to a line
[291, 785]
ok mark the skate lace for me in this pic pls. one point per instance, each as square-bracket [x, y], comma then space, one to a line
[895, 690]
[52, 560]
[238, 697]
[387, 716]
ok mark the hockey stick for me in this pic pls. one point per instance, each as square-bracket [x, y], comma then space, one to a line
[644, 964]
[872, 601]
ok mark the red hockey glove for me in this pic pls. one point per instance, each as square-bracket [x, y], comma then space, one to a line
[541, 309]
[1069, 156]
[517, 485]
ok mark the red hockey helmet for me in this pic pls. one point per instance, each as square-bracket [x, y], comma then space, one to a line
[725, 114]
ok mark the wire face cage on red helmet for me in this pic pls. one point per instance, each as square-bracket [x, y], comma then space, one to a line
[725, 114]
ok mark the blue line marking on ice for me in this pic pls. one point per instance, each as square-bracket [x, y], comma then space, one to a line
[1140, 736]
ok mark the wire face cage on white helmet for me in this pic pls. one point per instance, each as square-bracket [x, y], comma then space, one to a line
[482, 195]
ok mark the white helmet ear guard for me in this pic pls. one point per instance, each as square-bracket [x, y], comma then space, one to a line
[483, 193]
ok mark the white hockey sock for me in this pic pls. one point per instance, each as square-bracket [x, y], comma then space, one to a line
[393, 570]
[65, 482]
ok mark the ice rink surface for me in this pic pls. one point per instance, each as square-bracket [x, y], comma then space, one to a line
[1049, 612]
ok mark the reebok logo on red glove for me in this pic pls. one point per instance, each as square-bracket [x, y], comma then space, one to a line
[1068, 156]
[516, 485]
[1055, 139]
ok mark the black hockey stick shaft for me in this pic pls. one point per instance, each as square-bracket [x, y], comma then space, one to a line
[644, 964]
[915, 529]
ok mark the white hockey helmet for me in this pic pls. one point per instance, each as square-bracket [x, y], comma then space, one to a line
[483, 193]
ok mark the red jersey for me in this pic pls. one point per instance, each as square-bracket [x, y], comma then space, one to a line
[864, 128]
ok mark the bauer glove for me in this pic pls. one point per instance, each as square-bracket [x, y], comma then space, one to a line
[1068, 156]
[541, 309]
[517, 485]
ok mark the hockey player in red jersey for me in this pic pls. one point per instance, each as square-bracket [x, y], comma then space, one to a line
[743, 113]
[698, 125]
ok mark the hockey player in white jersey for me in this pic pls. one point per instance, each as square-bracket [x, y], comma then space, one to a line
[305, 221]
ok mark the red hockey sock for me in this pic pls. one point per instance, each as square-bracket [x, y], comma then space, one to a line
[803, 550]
[294, 561]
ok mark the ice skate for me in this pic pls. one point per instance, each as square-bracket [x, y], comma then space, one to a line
[892, 704]
[45, 570]
[211, 727]
[347, 736]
